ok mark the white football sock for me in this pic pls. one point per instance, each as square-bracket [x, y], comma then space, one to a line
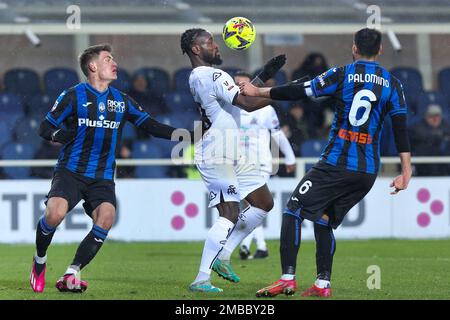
[248, 240]
[288, 276]
[248, 220]
[215, 240]
[322, 283]
[73, 270]
[259, 237]
[41, 260]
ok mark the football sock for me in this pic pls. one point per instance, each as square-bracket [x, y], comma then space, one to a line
[89, 247]
[322, 283]
[44, 235]
[290, 239]
[248, 240]
[248, 220]
[325, 248]
[259, 237]
[288, 277]
[39, 264]
[215, 240]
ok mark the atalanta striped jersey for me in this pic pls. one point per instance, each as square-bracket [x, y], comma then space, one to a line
[364, 94]
[98, 119]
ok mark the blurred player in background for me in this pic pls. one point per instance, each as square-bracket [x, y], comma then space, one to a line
[228, 177]
[364, 93]
[258, 129]
[88, 120]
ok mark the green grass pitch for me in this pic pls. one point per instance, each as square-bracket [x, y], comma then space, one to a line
[410, 269]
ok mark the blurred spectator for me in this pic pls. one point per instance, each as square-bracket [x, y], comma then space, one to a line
[153, 104]
[47, 150]
[125, 153]
[313, 65]
[430, 137]
[299, 127]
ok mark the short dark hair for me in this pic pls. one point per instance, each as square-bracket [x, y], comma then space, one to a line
[90, 53]
[242, 73]
[188, 38]
[368, 42]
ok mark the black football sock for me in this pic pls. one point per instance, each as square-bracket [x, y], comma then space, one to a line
[44, 236]
[290, 239]
[325, 248]
[89, 247]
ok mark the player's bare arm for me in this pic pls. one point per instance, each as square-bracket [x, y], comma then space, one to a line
[402, 143]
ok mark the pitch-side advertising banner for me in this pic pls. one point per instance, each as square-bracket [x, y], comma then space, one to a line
[176, 210]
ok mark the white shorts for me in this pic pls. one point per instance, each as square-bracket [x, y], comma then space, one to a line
[228, 182]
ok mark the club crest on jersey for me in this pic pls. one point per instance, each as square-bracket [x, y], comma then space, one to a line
[101, 107]
[216, 75]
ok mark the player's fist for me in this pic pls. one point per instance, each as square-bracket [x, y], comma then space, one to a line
[271, 67]
[247, 89]
[400, 183]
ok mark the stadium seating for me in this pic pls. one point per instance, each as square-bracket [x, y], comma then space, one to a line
[5, 133]
[411, 80]
[14, 151]
[11, 108]
[23, 82]
[444, 83]
[59, 79]
[26, 131]
[231, 71]
[145, 149]
[181, 79]
[40, 105]
[179, 102]
[158, 80]
[123, 81]
[432, 97]
[312, 148]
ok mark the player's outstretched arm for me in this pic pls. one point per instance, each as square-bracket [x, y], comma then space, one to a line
[160, 130]
[51, 133]
[292, 91]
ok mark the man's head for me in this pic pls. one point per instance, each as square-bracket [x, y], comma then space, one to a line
[97, 61]
[140, 83]
[433, 116]
[200, 46]
[367, 44]
[242, 76]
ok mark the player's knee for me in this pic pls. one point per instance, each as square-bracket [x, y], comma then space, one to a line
[55, 212]
[106, 214]
[266, 204]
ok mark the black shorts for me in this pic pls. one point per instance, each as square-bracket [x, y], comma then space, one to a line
[73, 187]
[331, 190]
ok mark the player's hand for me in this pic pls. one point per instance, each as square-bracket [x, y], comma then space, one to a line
[247, 89]
[290, 168]
[400, 183]
[271, 67]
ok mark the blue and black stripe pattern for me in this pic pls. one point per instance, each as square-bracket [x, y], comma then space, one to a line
[98, 118]
[364, 94]
[99, 232]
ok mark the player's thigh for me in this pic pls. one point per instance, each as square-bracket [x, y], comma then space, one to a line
[253, 187]
[314, 193]
[221, 182]
[100, 194]
[261, 198]
[64, 194]
[356, 188]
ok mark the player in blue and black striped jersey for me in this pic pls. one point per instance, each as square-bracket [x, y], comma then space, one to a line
[364, 94]
[88, 120]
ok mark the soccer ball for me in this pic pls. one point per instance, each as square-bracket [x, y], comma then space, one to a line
[239, 33]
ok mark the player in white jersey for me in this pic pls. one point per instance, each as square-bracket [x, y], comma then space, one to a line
[226, 173]
[258, 129]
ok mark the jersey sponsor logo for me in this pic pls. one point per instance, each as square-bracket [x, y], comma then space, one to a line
[362, 138]
[216, 75]
[116, 106]
[101, 107]
[107, 124]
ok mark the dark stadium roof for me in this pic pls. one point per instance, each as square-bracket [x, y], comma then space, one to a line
[217, 11]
